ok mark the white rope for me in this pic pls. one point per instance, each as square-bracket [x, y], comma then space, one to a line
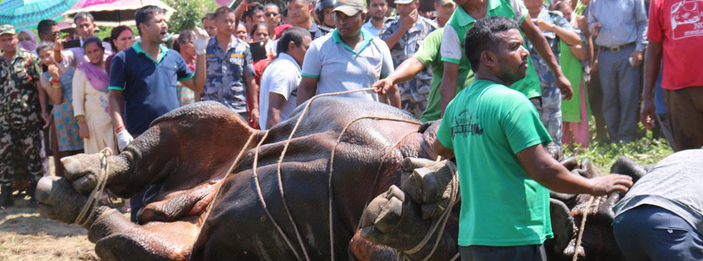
[91, 206]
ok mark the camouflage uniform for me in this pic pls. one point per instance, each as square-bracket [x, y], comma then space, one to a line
[226, 72]
[20, 122]
[414, 93]
[551, 95]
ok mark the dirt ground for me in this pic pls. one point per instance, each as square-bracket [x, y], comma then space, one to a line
[24, 235]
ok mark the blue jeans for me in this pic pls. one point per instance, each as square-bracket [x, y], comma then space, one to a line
[621, 85]
[652, 233]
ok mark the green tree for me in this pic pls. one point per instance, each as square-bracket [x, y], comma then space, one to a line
[188, 13]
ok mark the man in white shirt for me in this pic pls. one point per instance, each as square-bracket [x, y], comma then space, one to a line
[279, 82]
[347, 59]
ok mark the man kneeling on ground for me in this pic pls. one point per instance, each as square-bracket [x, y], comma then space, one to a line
[497, 138]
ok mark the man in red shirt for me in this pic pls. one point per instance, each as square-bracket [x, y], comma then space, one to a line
[675, 33]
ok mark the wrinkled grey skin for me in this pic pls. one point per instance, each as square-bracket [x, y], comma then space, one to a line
[189, 150]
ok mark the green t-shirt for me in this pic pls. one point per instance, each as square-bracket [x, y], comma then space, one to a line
[452, 49]
[429, 55]
[486, 125]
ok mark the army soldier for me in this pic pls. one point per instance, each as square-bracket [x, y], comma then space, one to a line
[19, 113]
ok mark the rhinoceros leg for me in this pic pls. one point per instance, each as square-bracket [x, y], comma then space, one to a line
[116, 237]
[182, 149]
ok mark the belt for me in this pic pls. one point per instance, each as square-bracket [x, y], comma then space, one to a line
[616, 49]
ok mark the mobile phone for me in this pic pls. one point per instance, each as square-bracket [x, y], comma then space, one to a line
[72, 44]
[258, 51]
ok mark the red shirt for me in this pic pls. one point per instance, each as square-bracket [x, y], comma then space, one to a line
[678, 25]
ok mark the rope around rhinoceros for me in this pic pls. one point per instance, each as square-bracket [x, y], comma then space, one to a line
[279, 174]
[90, 206]
[441, 221]
[583, 226]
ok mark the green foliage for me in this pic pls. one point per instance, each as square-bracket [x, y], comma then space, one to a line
[644, 150]
[188, 13]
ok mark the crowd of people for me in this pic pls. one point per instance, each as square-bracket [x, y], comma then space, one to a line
[579, 58]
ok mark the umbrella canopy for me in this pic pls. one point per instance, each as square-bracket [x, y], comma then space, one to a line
[120, 12]
[27, 13]
[86, 3]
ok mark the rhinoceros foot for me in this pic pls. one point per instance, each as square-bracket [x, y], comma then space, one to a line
[58, 200]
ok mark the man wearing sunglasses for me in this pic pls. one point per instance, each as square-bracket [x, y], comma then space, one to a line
[272, 16]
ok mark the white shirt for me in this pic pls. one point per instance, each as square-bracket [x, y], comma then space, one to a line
[337, 67]
[282, 76]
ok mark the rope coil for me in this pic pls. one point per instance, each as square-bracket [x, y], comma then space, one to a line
[90, 207]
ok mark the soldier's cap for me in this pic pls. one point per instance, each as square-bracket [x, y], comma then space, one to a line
[349, 7]
[7, 29]
[443, 2]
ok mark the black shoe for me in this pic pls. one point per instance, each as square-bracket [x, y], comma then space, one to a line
[6, 197]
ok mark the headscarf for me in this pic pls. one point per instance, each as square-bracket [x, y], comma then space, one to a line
[97, 77]
[28, 45]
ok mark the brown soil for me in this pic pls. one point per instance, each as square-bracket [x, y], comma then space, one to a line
[24, 235]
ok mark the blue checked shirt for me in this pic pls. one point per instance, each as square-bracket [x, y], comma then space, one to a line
[226, 71]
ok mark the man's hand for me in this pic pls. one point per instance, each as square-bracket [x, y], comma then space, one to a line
[123, 139]
[595, 30]
[382, 86]
[647, 113]
[409, 20]
[543, 25]
[201, 40]
[564, 86]
[254, 117]
[637, 58]
[605, 185]
[83, 131]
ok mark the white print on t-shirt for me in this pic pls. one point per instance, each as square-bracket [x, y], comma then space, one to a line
[687, 19]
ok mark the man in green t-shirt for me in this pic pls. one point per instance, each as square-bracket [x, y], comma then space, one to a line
[497, 138]
[458, 74]
[427, 55]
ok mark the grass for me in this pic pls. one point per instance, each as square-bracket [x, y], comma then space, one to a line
[644, 150]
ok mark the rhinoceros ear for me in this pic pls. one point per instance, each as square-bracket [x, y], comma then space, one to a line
[628, 167]
[562, 225]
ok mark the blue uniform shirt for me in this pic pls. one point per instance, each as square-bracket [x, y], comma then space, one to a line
[226, 71]
[149, 86]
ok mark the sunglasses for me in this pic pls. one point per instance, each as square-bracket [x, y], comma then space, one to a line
[271, 14]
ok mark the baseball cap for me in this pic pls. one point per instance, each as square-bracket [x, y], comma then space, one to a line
[349, 7]
[443, 2]
[7, 29]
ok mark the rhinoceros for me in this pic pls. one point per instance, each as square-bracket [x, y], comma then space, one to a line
[202, 205]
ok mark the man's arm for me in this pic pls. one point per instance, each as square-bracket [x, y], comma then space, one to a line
[651, 71]
[276, 104]
[568, 36]
[115, 102]
[542, 47]
[406, 22]
[306, 89]
[197, 83]
[253, 90]
[447, 89]
[554, 176]
[405, 71]
[440, 150]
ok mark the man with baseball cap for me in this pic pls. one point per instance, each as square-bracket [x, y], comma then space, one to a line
[20, 120]
[445, 9]
[349, 58]
[404, 34]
